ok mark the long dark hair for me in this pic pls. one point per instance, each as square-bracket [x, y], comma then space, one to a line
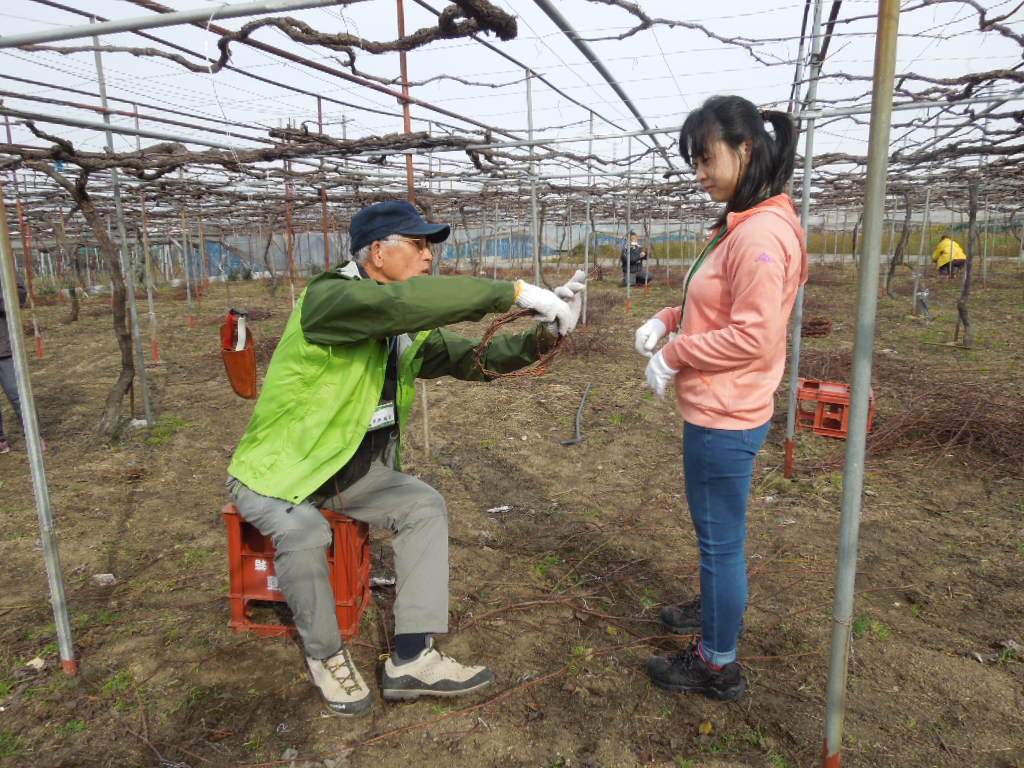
[735, 120]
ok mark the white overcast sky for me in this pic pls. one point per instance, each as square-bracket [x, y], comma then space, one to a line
[665, 71]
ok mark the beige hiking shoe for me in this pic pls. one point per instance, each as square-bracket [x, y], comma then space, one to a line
[432, 674]
[340, 684]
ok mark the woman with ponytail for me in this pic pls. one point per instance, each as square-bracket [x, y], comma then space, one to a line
[725, 356]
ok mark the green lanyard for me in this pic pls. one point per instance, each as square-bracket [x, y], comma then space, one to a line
[700, 259]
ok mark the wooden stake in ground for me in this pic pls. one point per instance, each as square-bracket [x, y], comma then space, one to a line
[26, 251]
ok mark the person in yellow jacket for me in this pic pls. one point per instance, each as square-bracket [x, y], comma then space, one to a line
[949, 257]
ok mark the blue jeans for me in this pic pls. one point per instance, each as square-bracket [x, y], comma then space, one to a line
[10, 386]
[719, 464]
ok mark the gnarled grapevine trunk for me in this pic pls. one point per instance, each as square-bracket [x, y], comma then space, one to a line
[853, 245]
[111, 419]
[963, 317]
[897, 257]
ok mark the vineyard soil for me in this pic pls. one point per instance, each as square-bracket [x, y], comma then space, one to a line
[561, 557]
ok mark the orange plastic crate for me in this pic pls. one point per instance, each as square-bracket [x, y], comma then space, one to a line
[251, 563]
[829, 411]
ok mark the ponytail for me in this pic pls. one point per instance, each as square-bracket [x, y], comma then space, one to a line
[784, 146]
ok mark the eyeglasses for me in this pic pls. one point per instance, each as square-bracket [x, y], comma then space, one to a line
[420, 243]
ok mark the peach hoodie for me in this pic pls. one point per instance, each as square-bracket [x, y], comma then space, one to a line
[731, 349]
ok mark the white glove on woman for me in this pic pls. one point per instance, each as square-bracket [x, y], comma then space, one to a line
[545, 305]
[648, 335]
[572, 293]
[659, 375]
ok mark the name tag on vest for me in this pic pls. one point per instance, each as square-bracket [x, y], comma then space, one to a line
[384, 416]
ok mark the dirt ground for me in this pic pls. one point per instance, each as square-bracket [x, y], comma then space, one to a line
[561, 557]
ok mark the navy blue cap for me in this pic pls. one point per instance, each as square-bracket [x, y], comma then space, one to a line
[392, 217]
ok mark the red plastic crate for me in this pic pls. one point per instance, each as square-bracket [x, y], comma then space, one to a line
[251, 562]
[829, 412]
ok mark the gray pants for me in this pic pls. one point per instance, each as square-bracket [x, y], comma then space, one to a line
[10, 386]
[413, 511]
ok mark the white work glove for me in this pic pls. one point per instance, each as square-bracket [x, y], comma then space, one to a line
[545, 305]
[572, 293]
[648, 335]
[659, 374]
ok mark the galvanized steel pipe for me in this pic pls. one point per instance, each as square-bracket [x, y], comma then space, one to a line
[860, 390]
[805, 211]
[151, 21]
[47, 533]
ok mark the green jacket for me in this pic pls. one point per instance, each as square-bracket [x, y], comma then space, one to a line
[327, 373]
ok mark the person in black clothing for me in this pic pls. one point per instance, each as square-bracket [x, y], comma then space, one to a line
[633, 257]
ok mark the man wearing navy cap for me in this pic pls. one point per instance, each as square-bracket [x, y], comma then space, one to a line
[326, 432]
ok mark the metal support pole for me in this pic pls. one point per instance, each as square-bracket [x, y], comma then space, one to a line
[587, 214]
[629, 211]
[984, 255]
[47, 534]
[534, 233]
[668, 274]
[126, 263]
[794, 93]
[435, 265]
[150, 21]
[324, 224]
[406, 118]
[845, 217]
[149, 282]
[835, 236]
[512, 227]
[204, 261]
[324, 217]
[435, 268]
[921, 262]
[867, 302]
[892, 230]
[186, 252]
[289, 234]
[147, 260]
[567, 229]
[647, 231]
[805, 213]
[494, 240]
[696, 237]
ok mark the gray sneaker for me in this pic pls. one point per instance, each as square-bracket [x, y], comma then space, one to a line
[432, 674]
[340, 684]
